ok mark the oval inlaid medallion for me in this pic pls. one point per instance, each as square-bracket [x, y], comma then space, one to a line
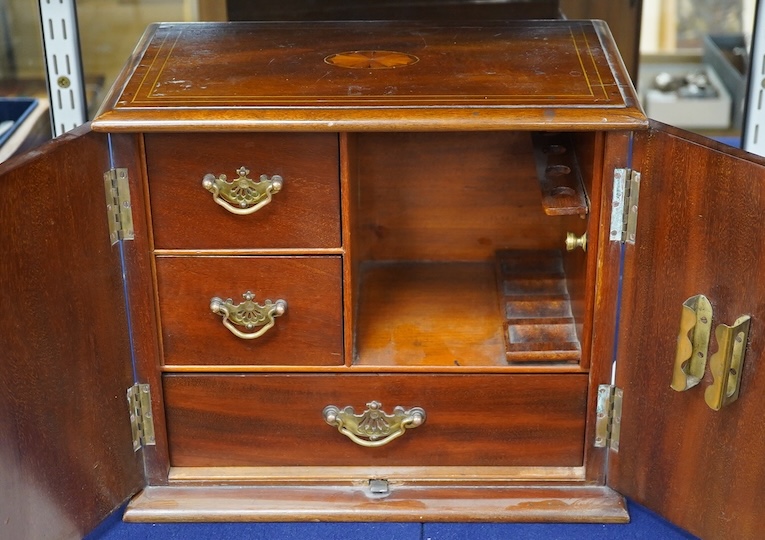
[371, 59]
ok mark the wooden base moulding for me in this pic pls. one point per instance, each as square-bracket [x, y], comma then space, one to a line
[357, 503]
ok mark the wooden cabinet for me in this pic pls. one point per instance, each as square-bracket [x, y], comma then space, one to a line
[380, 271]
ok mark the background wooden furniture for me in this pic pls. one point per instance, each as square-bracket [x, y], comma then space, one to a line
[622, 16]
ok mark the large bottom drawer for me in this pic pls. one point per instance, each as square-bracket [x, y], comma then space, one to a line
[471, 419]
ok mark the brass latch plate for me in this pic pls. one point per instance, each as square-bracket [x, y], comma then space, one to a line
[379, 487]
[141, 419]
[692, 343]
[727, 363]
[118, 207]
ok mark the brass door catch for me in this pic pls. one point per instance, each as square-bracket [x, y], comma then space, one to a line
[693, 348]
[692, 343]
[726, 364]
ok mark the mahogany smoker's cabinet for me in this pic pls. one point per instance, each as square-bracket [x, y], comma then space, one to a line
[381, 271]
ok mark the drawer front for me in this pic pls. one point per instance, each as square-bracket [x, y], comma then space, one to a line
[304, 213]
[276, 419]
[309, 332]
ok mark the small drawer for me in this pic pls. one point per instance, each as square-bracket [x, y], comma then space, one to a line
[309, 332]
[303, 213]
[470, 419]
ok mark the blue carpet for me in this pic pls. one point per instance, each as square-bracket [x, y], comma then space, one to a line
[644, 526]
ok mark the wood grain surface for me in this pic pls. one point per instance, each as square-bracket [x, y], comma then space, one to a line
[309, 333]
[699, 226]
[276, 420]
[264, 76]
[585, 504]
[450, 197]
[66, 453]
[429, 314]
[305, 213]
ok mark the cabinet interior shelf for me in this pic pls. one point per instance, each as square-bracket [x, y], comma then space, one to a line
[466, 314]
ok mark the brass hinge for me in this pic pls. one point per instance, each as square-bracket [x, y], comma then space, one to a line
[608, 420]
[141, 419]
[624, 207]
[118, 209]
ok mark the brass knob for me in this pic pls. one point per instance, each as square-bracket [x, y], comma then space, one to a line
[573, 241]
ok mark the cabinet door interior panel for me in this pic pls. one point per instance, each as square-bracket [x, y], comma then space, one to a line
[699, 203]
[66, 453]
[258, 420]
[304, 213]
[310, 332]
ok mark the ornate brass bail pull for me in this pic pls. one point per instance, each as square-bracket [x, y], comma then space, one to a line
[242, 196]
[373, 427]
[248, 314]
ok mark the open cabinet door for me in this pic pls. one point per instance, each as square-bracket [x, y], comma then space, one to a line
[66, 454]
[700, 230]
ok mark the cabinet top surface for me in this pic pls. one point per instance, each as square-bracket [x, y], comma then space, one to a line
[373, 76]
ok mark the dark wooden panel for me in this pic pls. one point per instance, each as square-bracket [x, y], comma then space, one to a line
[66, 453]
[699, 231]
[309, 333]
[581, 265]
[611, 151]
[305, 213]
[127, 151]
[523, 420]
[451, 197]
[365, 10]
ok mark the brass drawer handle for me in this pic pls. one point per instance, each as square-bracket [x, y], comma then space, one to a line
[242, 196]
[374, 427]
[248, 314]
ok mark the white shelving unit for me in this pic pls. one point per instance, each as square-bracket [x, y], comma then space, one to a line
[63, 65]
